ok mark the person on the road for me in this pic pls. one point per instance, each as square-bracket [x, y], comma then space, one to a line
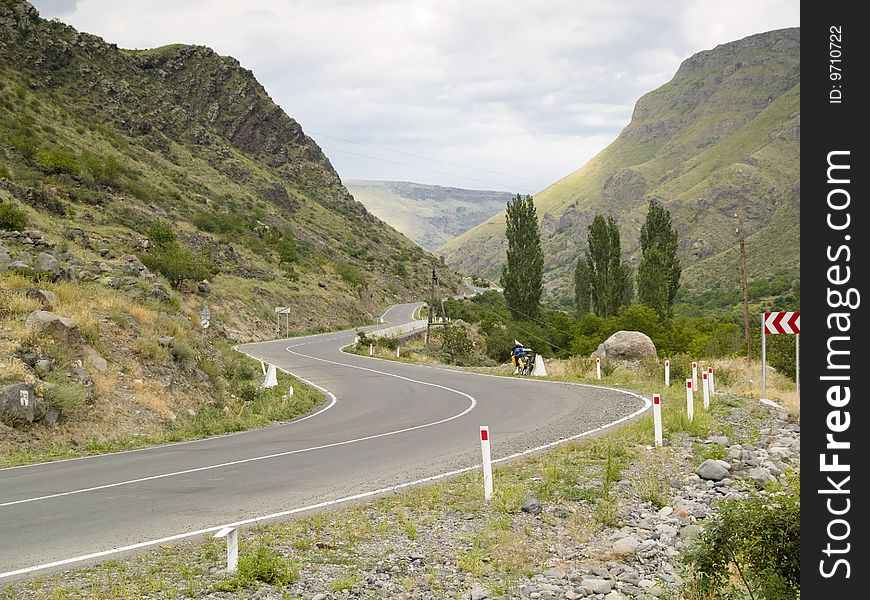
[518, 355]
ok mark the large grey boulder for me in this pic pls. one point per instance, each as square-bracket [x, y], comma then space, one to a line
[62, 329]
[711, 470]
[47, 263]
[19, 405]
[45, 297]
[626, 345]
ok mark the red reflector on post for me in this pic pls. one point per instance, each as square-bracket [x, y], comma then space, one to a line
[484, 435]
[656, 399]
[689, 384]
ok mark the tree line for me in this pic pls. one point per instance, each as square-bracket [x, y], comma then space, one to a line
[603, 282]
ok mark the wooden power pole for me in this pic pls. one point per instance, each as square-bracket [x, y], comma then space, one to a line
[745, 283]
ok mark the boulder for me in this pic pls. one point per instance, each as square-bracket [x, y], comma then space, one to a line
[69, 274]
[159, 292]
[93, 360]
[597, 585]
[626, 345]
[760, 475]
[47, 263]
[5, 259]
[51, 418]
[626, 545]
[46, 298]
[203, 287]
[166, 341]
[532, 506]
[19, 404]
[711, 470]
[62, 329]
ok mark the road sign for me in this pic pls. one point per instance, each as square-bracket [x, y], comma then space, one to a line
[782, 322]
[205, 317]
[777, 323]
[282, 310]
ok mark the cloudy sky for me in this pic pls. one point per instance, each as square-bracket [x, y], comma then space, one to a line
[509, 94]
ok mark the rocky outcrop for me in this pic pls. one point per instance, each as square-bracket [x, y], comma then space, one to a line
[19, 405]
[626, 345]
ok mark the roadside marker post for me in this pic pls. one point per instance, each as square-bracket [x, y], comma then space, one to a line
[712, 384]
[271, 378]
[694, 374]
[598, 367]
[706, 392]
[487, 462]
[232, 536]
[657, 418]
[667, 373]
[690, 400]
[263, 367]
[397, 352]
[371, 349]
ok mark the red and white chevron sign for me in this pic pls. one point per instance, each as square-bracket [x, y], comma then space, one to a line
[782, 322]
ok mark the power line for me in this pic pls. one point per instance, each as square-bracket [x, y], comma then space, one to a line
[444, 162]
[395, 162]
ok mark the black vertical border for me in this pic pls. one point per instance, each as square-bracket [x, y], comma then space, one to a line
[828, 127]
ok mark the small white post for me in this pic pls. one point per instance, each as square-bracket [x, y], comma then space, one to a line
[657, 418]
[690, 400]
[487, 462]
[371, 349]
[694, 374]
[263, 366]
[290, 392]
[271, 378]
[397, 352]
[667, 373]
[712, 381]
[706, 392]
[598, 367]
[232, 535]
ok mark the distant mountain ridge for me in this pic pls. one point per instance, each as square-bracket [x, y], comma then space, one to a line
[431, 215]
[723, 134]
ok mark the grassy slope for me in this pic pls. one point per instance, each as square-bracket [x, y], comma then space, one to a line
[724, 133]
[428, 214]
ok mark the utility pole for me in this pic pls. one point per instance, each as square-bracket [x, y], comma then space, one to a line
[745, 283]
[431, 310]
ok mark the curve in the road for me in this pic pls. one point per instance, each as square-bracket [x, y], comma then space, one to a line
[278, 478]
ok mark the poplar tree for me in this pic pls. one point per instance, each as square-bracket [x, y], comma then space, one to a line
[582, 286]
[523, 275]
[658, 274]
[607, 274]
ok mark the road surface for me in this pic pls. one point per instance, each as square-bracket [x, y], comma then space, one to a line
[383, 424]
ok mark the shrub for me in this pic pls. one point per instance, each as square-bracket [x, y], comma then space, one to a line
[103, 171]
[57, 162]
[759, 537]
[351, 274]
[264, 565]
[161, 233]
[178, 263]
[456, 345]
[11, 218]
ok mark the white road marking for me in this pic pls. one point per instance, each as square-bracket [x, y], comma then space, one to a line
[325, 504]
[470, 407]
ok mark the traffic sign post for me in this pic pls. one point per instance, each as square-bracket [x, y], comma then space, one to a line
[779, 323]
[283, 310]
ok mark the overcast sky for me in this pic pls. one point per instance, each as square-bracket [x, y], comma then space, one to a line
[508, 94]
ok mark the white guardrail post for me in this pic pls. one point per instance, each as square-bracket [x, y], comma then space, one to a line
[487, 462]
[690, 400]
[232, 536]
[657, 418]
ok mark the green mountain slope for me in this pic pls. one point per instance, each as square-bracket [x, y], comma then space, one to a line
[431, 215]
[107, 140]
[723, 134]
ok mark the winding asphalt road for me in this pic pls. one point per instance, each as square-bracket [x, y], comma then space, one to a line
[383, 425]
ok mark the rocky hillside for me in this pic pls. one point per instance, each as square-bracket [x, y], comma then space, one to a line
[98, 142]
[723, 134]
[431, 215]
[138, 188]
